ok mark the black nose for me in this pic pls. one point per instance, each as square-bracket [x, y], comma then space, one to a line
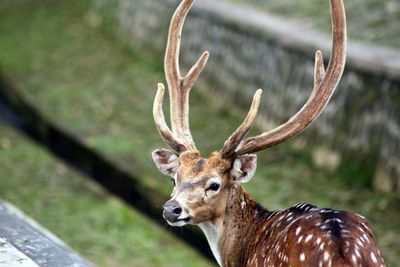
[172, 210]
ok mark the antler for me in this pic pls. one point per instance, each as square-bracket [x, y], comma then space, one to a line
[180, 138]
[324, 86]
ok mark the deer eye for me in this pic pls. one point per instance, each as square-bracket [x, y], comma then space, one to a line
[214, 187]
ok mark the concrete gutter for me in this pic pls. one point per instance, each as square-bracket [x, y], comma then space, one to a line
[25, 243]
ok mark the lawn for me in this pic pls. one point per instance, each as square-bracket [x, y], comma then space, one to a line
[100, 227]
[102, 92]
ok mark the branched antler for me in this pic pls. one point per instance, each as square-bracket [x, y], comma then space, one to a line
[180, 138]
[324, 86]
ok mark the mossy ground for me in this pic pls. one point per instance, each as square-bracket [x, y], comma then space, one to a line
[102, 92]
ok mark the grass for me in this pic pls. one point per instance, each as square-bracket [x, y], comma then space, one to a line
[100, 227]
[102, 92]
[372, 21]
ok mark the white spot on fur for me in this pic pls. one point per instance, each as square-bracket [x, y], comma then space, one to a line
[298, 230]
[300, 238]
[366, 237]
[302, 257]
[373, 258]
[326, 256]
[357, 251]
[354, 258]
[362, 217]
[324, 227]
[243, 204]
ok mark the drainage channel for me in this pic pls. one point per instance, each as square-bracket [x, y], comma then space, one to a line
[23, 116]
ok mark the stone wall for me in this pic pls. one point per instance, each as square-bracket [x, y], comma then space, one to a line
[251, 50]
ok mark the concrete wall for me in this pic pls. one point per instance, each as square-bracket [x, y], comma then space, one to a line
[251, 50]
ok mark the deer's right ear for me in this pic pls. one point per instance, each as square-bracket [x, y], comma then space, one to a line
[244, 168]
[166, 161]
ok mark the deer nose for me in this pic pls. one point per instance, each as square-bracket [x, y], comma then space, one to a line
[172, 210]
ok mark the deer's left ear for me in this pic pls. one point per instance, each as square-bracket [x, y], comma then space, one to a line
[244, 168]
[166, 161]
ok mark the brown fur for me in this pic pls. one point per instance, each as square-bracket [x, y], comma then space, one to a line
[253, 236]
[196, 167]
[193, 175]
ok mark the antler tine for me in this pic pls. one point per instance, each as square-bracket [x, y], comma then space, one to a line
[324, 86]
[179, 88]
[195, 71]
[319, 74]
[319, 70]
[180, 138]
[161, 125]
[234, 140]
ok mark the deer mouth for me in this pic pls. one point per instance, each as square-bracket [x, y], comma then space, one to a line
[186, 220]
[180, 222]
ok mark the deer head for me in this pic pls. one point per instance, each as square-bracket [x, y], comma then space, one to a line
[203, 186]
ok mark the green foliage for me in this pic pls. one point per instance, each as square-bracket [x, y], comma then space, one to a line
[358, 171]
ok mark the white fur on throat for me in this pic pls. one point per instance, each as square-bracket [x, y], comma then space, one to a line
[212, 234]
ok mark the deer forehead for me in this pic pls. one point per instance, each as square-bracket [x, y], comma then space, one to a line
[197, 170]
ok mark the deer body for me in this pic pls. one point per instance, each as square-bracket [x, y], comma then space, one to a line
[208, 193]
[303, 235]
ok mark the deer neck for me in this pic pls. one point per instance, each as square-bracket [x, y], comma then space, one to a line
[228, 234]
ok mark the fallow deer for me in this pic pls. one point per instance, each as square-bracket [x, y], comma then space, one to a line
[208, 192]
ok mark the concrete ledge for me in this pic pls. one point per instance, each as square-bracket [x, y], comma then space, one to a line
[366, 58]
[24, 243]
[10, 256]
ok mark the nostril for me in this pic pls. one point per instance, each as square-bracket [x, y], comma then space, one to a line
[177, 210]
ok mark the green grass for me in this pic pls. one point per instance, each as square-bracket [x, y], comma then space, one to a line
[372, 21]
[101, 228]
[102, 92]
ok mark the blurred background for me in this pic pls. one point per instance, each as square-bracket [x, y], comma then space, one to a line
[84, 74]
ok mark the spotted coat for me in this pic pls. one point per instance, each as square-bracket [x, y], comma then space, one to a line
[303, 235]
